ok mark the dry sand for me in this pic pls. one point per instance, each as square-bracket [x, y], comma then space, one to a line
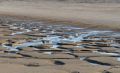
[103, 16]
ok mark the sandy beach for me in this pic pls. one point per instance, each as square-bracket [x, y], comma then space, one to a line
[96, 15]
[59, 36]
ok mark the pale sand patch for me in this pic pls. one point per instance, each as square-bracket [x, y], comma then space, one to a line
[105, 16]
[15, 68]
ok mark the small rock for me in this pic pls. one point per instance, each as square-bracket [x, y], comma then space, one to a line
[59, 63]
[105, 71]
[32, 64]
[75, 72]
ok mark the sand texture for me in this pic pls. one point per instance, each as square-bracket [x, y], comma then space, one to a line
[97, 15]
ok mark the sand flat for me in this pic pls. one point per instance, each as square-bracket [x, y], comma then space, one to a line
[87, 15]
[45, 44]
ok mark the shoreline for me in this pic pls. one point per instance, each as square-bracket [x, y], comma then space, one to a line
[59, 37]
[91, 16]
[64, 22]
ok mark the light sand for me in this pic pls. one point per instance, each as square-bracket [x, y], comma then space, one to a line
[105, 16]
[17, 66]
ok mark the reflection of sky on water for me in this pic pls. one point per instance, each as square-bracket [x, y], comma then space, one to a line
[53, 39]
[75, 36]
[17, 33]
[118, 59]
[109, 54]
[10, 48]
[27, 44]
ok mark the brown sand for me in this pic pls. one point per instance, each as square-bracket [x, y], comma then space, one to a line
[14, 68]
[100, 16]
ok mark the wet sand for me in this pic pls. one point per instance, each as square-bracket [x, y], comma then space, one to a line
[29, 46]
[30, 43]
